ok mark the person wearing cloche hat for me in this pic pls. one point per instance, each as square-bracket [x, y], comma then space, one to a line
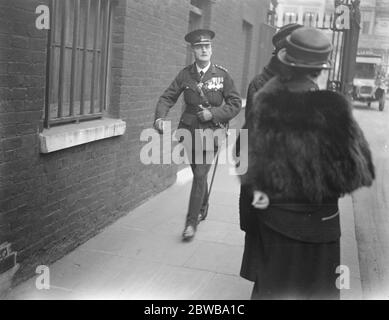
[305, 151]
[205, 87]
[273, 68]
[306, 48]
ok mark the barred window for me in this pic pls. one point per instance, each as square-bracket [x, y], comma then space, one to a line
[77, 59]
[366, 19]
[290, 17]
[309, 19]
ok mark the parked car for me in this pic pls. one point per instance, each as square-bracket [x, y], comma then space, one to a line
[368, 84]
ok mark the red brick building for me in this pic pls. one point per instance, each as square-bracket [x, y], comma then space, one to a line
[74, 101]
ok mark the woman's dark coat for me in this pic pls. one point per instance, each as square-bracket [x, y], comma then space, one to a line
[304, 147]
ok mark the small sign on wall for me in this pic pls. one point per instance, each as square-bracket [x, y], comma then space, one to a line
[7, 257]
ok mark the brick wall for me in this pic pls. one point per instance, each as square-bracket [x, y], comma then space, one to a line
[228, 47]
[51, 203]
[22, 57]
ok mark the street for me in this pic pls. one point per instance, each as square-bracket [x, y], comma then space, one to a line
[371, 205]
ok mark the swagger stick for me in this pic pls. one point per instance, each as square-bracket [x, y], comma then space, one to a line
[204, 105]
[213, 175]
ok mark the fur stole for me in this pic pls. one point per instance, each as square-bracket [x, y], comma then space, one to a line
[305, 145]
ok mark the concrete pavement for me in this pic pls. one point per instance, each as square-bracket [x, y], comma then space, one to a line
[141, 256]
[372, 206]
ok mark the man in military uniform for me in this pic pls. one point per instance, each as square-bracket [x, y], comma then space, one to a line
[205, 86]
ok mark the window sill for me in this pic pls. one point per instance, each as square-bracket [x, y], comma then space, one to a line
[70, 135]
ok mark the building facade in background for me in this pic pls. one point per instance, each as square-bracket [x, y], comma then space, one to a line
[374, 36]
[306, 12]
[74, 100]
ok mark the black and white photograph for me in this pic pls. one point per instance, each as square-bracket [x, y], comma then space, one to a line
[194, 155]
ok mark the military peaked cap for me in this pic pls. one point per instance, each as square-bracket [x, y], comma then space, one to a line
[200, 36]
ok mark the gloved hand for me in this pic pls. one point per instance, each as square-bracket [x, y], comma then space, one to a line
[159, 125]
[204, 115]
[260, 200]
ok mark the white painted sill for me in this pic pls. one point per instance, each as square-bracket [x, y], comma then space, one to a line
[70, 135]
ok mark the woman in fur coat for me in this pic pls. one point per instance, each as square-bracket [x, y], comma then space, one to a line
[305, 151]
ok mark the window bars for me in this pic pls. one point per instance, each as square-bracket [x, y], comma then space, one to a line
[77, 60]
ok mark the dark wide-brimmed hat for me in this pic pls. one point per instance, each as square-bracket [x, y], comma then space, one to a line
[306, 48]
[279, 39]
[200, 36]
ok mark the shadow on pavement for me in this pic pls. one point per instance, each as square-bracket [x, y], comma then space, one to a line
[364, 106]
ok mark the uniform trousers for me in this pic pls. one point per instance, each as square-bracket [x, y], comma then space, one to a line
[199, 193]
[285, 268]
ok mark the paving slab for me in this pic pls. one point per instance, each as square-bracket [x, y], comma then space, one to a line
[219, 288]
[138, 244]
[171, 283]
[217, 257]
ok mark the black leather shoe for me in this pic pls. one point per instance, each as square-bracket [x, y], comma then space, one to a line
[188, 233]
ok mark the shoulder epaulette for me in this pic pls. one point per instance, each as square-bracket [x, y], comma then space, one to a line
[220, 67]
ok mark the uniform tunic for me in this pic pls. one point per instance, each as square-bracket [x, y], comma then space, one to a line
[217, 86]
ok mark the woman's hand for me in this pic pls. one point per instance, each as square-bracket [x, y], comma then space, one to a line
[260, 200]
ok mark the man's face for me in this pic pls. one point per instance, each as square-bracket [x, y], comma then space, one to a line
[202, 52]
